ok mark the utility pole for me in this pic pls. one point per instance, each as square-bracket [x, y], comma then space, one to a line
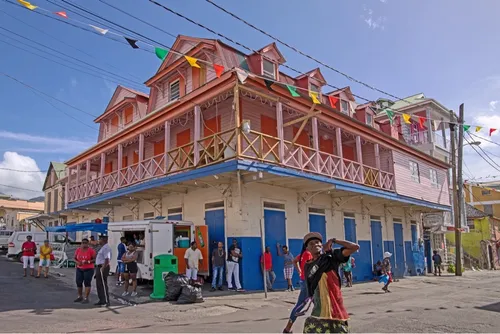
[460, 193]
[456, 216]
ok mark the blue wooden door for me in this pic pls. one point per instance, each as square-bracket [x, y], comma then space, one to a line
[317, 223]
[177, 216]
[377, 244]
[274, 233]
[399, 260]
[350, 229]
[414, 241]
[214, 219]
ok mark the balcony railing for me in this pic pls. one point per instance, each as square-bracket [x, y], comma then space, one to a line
[222, 146]
[441, 141]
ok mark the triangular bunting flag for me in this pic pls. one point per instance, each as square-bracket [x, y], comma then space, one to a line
[314, 97]
[333, 101]
[293, 91]
[132, 42]
[161, 53]
[219, 69]
[62, 14]
[492, 130]
[466, 127]
[421, 121]
[100, 30]
[242, 75]
[390, 114]
[478, 128]
[192, 61]
[406, 118]
[27, 4]
[268, 83]
[437, 124]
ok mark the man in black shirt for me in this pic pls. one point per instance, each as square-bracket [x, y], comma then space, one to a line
[233, 268]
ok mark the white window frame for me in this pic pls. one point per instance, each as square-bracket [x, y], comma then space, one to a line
[414, 171]
[345, 111]
[434, 178]
[316, 90]
[271, 75]
[370, 123]
[170, 97]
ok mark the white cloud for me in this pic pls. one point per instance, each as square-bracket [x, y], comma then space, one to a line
[13, 183]
[43, 144]
[373, 22]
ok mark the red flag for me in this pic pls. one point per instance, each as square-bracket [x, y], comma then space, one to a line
[218, 70]
[333, 101]
[62, 14]
[421, 121]
[492, 130]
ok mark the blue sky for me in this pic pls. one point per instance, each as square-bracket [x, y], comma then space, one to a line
[445, 49]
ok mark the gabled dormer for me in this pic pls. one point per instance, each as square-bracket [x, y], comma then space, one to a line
[312, 81]
[365, 113]
[346, 103]
[266, 61]
[125, 107]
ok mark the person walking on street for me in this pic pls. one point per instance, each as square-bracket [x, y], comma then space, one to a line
[129, 259]
[193, 258]
[386, 271]
[29, 251]
[218, 260]
[347, 270]
[299, 262]
[436, 258]
[266, 263]
[45, 257]
[122, 249]
[288, 265]
[233, 267]
[84, 259]
[324, 285]
[102, 271]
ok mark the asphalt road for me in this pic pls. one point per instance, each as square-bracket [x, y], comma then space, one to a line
[424, 304]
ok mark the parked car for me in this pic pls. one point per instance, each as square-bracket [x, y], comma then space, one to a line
[4, 239]
[17, 238]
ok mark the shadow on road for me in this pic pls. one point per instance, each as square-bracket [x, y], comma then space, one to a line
[490, 307]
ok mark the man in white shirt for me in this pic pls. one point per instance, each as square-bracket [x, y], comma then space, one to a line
[193, 258]
[102, 271]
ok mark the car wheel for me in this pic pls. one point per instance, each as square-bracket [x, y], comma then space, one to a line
[19, 257]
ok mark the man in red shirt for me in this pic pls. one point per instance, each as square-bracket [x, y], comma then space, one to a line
[266, 263]
[29, 250]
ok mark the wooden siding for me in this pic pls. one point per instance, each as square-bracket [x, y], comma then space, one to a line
[423, 190]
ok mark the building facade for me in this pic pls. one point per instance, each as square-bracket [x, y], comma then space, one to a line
[14, 214]
[255, 160]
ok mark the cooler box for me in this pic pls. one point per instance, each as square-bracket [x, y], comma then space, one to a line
[183, 243]
[163, 264]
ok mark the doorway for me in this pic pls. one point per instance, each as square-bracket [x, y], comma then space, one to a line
[274, 233]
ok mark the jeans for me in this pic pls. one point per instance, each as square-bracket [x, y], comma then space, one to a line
[233, 269]
[270, 278]
[217, 272]
[300, 300]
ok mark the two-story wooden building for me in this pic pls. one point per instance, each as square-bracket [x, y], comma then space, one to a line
[256, 155]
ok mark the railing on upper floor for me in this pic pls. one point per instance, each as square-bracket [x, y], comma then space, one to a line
[441, 141]
[222, 146]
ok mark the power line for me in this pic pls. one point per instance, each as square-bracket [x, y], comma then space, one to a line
[485, 152]
[489, 163]
[303, 53]
[23, 171]
[488, 140]
[13, 187]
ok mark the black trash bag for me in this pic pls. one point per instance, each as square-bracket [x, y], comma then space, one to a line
[173, 285]
[190, 294]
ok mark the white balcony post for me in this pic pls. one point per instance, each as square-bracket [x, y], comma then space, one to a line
[167, 144]
[430, 130]
[443, 133]
[359, 156]
[101, 176]
[141, 155]
[281, 136]
[340, 153]
[119, 165]
[87, 178]
[197, 134]
[377, 164]
[66, 192]
[77, 179]
[315, 143]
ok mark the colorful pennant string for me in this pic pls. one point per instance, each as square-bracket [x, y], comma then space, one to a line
[192, 61]
[406, 118]
[333, 101]
[27, 4]
[466, 127]
[478, 128]
[242, 75]
[161, 53]
[314, 97]
[390, 114]
[293, 91]
[492, 130]
[437, 124]
[132, 42]
[421, 122]
[219, 69]
[269, 83]
[62, 14]
[100, 30]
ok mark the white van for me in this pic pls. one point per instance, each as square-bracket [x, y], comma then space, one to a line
[17, 238]
[171, 237]
[4, 239]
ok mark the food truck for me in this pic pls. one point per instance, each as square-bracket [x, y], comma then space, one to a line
[156, 237]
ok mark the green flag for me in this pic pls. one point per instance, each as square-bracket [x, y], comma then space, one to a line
[268, 83]
[161, 53]
[293, 91]
[390, 114]
[466, 127]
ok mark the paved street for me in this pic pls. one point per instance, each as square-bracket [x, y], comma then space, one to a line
[423, 304]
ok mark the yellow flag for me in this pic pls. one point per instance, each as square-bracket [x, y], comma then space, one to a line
[27, 5]
[406, 118]
[314, 97]
[478, 128]
[192, 61]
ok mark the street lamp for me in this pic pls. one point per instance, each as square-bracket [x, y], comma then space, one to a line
[474, 143]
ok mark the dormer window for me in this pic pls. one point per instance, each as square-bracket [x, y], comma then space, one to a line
[369, 119]
[175, 91]
[314, 88]
[344, 106]
[269, 69]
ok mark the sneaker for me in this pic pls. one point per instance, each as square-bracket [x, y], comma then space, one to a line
[220, 288]
[240, 290]
[133, 294]
[212, 289]
[125, 294]
[85, 301]
[100, 304]
[77, 300]
[288, 290]
[118, 283]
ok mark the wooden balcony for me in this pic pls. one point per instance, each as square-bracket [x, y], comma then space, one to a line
[223, 146]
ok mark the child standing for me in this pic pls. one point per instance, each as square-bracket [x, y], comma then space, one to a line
[436, 258]
[347, 269]
[386, 271]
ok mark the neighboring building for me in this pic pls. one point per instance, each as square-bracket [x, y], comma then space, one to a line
[484, 195]
[14, 214]
[481, 245]
[249, 160]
